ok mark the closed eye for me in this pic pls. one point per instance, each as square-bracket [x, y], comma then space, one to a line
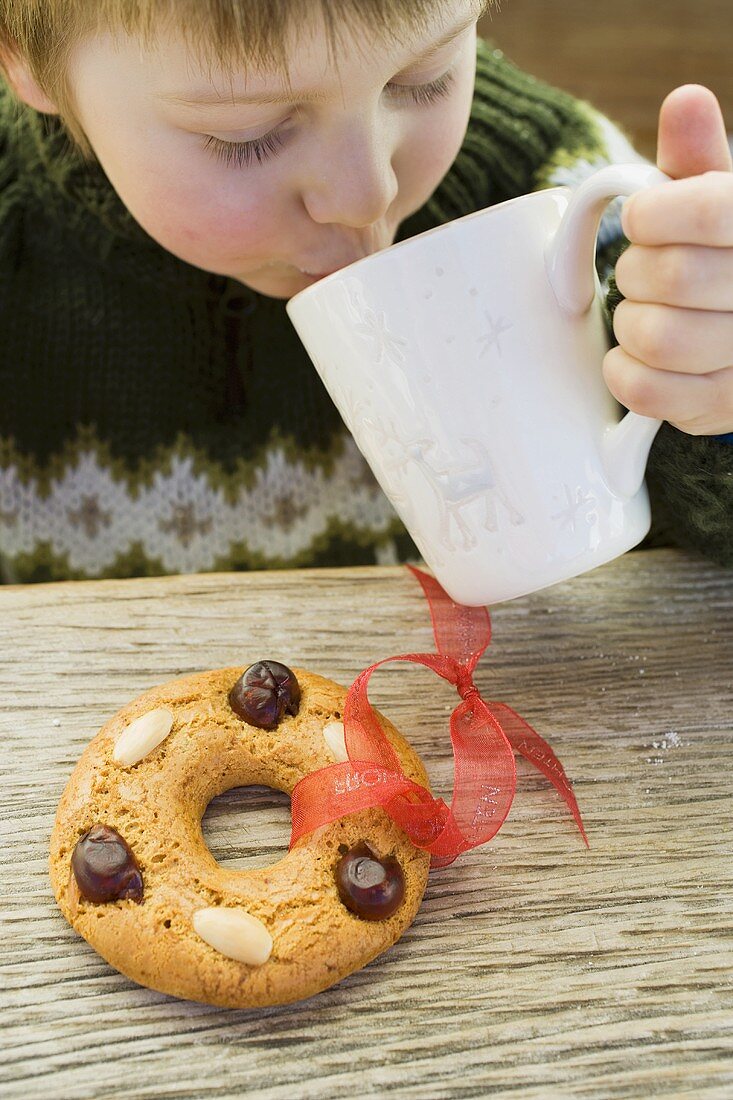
[242, 154]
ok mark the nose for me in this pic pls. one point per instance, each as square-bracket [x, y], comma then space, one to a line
[351, 180]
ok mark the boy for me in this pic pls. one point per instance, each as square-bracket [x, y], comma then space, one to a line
[159, 413]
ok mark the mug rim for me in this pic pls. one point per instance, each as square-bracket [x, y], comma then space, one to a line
[372, 257]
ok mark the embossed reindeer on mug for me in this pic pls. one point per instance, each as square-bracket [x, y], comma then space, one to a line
[466, 363]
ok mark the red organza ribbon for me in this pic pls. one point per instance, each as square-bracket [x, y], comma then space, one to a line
[484, 735]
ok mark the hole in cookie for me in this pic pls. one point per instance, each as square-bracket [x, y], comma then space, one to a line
[247, 827]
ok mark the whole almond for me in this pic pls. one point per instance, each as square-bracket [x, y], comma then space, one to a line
[234, 933]
[334, 736]
[142, 736]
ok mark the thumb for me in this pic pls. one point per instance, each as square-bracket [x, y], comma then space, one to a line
[692, 134]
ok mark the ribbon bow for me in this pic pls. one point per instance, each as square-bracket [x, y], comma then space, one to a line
[484, 736]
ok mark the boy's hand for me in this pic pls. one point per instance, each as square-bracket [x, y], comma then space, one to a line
[675, 329]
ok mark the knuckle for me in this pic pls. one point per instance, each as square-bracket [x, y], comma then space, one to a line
[715, 208]
[619, 321]
[627, 272]
[654, 337]
[630, 383]
[641, 395]
[675, 272]
[662, 274]
[612, 373]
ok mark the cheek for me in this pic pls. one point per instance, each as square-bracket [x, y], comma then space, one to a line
[200, 214]
[439, 142]
[436, 141]
[428, 156]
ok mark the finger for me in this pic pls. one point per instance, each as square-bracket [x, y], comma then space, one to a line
[692, 133]
[684, 275]
[697, 404]
[698, 210]
[691, 341]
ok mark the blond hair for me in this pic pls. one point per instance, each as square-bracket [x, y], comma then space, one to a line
[229, 33]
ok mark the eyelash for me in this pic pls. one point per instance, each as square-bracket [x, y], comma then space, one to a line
[243, 153]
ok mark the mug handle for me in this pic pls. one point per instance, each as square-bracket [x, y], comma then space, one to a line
[571, 269]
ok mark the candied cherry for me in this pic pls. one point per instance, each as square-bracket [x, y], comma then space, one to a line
[105, 868]
[371, 887]
[264, 693]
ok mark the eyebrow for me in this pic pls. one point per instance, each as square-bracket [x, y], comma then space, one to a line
[210, 98]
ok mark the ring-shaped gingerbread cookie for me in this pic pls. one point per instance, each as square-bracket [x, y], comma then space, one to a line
[133, 875]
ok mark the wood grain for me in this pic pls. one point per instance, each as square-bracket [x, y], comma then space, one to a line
[623, 57]
[534, 966]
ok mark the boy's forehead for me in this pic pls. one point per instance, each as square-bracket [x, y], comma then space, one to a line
[175, 68]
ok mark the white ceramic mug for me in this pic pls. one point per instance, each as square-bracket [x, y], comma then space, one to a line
[466, 363]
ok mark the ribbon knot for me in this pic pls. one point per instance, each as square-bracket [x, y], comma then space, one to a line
[464, 684]
[484, 737]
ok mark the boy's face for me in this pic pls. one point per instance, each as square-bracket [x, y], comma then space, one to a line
[335, 175]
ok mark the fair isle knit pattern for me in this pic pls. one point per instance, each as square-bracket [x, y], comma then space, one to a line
[179, 517]
[159, 419]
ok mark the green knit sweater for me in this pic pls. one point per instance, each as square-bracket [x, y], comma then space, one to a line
[138, 430]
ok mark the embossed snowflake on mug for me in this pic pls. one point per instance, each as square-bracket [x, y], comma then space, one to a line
[576, 507]
[491, 338]
[373, 326]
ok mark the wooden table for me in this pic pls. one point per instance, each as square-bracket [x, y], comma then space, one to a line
[534, 968]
